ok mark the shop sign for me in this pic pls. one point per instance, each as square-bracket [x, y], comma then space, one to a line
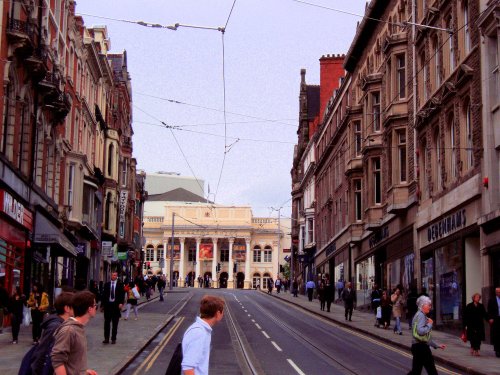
[122, 204]
[446, 226]
[80, 249]
[122, 255]
[15, 209]
[379, 236]
[107, 248]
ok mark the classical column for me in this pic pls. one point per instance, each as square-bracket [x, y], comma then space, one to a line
[230, 282]
[164, 266]
[198, 265]
[214, 263]
[181, 262]
[248, 278]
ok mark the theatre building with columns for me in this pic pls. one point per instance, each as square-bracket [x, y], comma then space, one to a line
[226, 243]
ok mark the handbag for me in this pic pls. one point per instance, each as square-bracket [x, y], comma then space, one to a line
[463, 336]
[379, 312]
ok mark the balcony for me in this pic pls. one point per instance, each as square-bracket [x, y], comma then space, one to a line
[21, 34]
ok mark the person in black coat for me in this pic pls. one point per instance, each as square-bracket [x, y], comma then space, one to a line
[494, 320]
[474, 317]
[113, 297]
[348, 298]
[16, 305]
[329, 293]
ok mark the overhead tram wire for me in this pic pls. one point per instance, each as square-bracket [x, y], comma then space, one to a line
[215, 109]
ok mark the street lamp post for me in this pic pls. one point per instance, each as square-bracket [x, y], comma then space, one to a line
[172, 254]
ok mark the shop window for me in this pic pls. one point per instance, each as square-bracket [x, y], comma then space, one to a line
[257, 254]
[365, 278]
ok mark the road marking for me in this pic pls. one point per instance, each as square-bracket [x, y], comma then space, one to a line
[253, 320]
[265, 334]
[295, 367]
[249, 315]
[151, 358]
[257, 325]
[246, 311]
[276, 346]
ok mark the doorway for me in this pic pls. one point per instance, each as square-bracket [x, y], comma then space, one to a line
[223, 280]
[240, 280]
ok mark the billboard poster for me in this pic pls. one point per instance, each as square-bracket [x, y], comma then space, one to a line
[177, 251]
[206, 251]
[239, 252]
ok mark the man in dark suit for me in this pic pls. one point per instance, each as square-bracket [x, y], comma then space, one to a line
[112, 303]
[494, 319]
[348, 298]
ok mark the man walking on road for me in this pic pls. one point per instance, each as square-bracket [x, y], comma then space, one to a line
[310, 290]
[494, 320]
[112, 303]
[348, 298]
[69, 354]
[197, 338]
[162, 283]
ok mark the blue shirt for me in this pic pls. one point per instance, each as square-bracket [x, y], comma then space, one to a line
[196, 347]
[310, 284]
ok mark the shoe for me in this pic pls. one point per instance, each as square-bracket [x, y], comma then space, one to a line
[105, 342]
[14, 342]
[135, 318]
[113, 341]
[35, 342]
[400, 333]
[350, 320]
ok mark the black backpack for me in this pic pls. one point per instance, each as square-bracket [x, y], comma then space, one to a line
[174, 367]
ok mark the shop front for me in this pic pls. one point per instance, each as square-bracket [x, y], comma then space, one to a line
[16, 224]
[450, 264]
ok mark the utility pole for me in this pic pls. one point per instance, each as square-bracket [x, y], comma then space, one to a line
[172, 254]
[279, 238]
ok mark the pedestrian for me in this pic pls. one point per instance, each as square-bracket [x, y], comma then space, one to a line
[329, 293]
[421, 340]
[270, 284]
[64, 310]
[340, 288]
[15, 307]
[348, 298]
[38, 302]
[132, 296]
[112, 303]
[310, 290]
[200, 282]
[375, 301]
[397, 309]
[69, 354]
[474, 317]
[4, 303]
[277, 284]
[197, 338]
[162, 283]
[411, 305]
[295, 287]
[386, 306]
[321, 295]
[494, 320]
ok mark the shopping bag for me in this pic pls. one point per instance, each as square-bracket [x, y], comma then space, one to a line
[463, 336]
[26, 316]
[379, 312]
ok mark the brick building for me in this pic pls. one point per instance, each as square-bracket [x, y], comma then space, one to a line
[62, 102]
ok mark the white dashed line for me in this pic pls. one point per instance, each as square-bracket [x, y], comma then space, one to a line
[253, 320]
[295, 367]
[257, 325]
[249, 315]
[246, 311]
[276, 346]
[265, 334]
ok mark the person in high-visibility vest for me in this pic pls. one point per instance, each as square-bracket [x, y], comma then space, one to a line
[421, 332]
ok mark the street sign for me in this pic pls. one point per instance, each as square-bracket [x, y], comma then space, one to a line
[107, 248]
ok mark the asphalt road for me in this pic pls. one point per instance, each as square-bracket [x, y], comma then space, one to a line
[262, 335]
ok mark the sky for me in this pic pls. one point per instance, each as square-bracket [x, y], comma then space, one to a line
[186, 78]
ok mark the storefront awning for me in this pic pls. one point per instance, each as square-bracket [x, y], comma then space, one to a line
[48, 234]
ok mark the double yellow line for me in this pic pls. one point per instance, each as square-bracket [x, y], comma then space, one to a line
[151, 358]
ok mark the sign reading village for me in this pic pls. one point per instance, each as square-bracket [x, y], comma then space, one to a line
[446, 226]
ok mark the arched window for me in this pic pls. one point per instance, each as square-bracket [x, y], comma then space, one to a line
[268, 254]
[256, 281]
[257, 254]
[150, 253]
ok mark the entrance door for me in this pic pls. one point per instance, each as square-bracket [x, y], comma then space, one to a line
[223, 279]
[240, 280]
[207, 279]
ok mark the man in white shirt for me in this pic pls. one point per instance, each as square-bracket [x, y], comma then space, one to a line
[197, 338]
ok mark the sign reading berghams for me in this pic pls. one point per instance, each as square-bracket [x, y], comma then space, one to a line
[123, 204]
[446, 226]
[15, 209]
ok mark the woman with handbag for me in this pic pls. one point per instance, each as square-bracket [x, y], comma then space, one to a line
[132, 296]
[474, 317]
[39, 304]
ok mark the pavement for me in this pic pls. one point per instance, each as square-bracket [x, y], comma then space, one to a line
[457, 353]
[133, 335]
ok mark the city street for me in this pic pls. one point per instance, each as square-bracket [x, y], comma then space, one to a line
[260, 334]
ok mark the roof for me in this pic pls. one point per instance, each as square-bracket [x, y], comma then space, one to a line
[177, 195]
